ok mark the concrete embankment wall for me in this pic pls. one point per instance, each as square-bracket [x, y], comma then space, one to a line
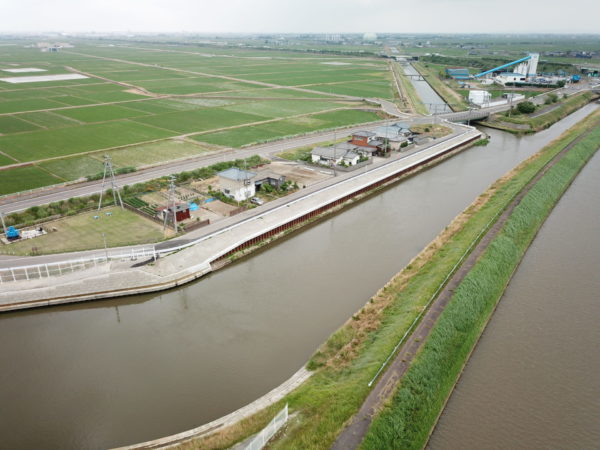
[294, 222]
[212, 251]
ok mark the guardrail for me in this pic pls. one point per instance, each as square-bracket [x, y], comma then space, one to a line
[269, 431]
[46, 270]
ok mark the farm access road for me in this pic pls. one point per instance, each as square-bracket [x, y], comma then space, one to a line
[19, 202]
[18, 261]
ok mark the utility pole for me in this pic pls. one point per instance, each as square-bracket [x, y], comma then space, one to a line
[108, 171]
[3, 224]
[105, 246]
[173, 201]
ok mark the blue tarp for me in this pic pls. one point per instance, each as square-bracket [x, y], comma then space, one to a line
[12, 232]
[208, 200]
[193, 206]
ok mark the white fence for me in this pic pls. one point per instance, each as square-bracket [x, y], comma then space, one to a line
[269, 431]
[47, 270]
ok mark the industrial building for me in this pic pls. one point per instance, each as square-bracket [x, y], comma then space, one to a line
[458, 73]
[522, 70]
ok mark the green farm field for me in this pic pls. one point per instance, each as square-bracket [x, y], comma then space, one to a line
[25, 178]
[238, 137]
[138, 100]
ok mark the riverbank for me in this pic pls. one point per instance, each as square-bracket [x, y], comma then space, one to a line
[426, 386]
[543, 368]
[451, 97]
[196, 260]
[348, 360]
[415, 102]
[527, 124]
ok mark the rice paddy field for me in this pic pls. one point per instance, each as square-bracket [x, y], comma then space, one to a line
[151, 103]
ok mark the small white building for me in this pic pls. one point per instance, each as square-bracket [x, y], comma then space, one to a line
[480, 98]
[510, 77]
[483, 99]
[237, 184]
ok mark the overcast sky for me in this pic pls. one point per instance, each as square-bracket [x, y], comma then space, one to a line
[319, 16]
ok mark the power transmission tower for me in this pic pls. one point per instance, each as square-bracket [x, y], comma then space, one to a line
[108, 171]
[171, 204]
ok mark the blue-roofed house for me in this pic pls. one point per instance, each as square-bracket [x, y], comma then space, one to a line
[458, 73]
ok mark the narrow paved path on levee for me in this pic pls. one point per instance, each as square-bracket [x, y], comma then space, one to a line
[353, 434]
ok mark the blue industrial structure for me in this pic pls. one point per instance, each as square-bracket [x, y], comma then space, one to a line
[503, 66]
[526, 67]
[458, 73]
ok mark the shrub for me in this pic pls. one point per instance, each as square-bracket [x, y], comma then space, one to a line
[526, 107]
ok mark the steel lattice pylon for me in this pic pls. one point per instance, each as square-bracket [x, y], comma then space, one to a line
[108, 170]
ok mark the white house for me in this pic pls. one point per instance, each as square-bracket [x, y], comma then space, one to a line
[335, 155]
[237, 184]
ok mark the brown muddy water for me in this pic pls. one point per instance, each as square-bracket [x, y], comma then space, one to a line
[117, 372]
[533, 380]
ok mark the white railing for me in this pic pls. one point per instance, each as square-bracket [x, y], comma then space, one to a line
[269, 431]
[46, 270]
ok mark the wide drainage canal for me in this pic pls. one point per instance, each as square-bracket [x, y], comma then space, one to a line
[533, 381]
[116, 372]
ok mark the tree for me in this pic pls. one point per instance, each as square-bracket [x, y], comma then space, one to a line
[526, 107]
[561, 83]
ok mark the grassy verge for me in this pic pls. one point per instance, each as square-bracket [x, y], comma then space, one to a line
[431, 130]
[453, 98]
[409, 90]
[407, 420]
[345, 363]
[527, 124]
[83, 232]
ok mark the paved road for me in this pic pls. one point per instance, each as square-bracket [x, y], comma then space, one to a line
[18, 261]
[23, 201]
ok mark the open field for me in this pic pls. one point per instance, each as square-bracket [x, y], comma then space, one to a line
[24, 178]
[83, 232]
[140, 94]
[239, 137]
